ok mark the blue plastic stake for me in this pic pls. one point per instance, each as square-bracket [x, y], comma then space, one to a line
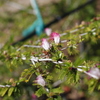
[38, 24]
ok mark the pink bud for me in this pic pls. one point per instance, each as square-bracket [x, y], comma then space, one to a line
[34, 97]
[40, 80]
[48, 31]
[94, 72]
[45, 44]
[56, 37]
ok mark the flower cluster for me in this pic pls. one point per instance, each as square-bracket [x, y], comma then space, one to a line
[53, 36]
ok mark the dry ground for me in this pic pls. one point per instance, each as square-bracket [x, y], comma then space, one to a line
[16, 5]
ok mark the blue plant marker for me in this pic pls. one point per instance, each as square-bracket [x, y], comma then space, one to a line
[38, 24]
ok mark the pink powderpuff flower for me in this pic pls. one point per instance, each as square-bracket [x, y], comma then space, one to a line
[48, 31]
[45, 44]
[94, 72]
[39, 80]
[56, 37]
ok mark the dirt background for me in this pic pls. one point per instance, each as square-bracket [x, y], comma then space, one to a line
[16, 5]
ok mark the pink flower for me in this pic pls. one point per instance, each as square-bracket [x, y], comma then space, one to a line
[56, 37]
[48, 31]
[39, 80]
[45, 44]
[94, 72]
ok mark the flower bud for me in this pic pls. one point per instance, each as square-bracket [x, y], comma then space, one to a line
[45, 44]
[39, 80]
[48, 31]
[56, 37]
[94, 72]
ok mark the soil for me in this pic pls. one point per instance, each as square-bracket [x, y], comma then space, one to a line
[16, 5]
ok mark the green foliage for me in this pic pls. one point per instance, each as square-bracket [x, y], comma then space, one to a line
[9, 91]
[61, 69]
[66, 71]
[40, 92]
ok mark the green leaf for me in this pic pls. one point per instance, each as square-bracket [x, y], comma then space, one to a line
[58, 98]
[50, 98]
[78, 61]
[57, 90]
[49, 77]
[92, 85]
[77, 76]
[62, 74]
[10, 91]
[40, 92]
[3, 91]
